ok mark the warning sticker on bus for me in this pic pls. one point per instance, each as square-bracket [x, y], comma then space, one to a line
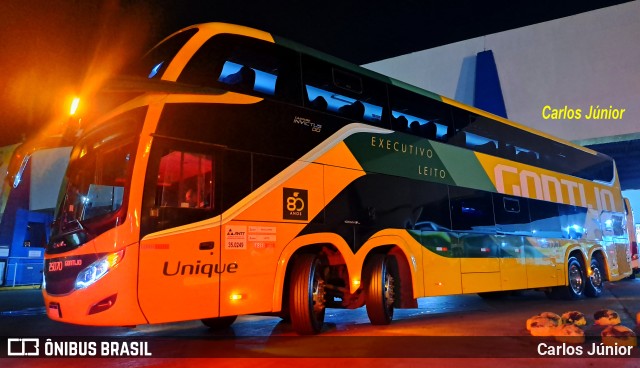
[235, 237]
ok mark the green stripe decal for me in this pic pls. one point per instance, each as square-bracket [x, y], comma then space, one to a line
[463, 166]
[413, 157]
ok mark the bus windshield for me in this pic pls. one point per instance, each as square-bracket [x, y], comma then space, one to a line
[96, 182]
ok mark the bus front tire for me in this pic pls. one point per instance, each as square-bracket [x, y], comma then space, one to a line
[306, 295]
[219, 323]
[379, 291]
[595, 282]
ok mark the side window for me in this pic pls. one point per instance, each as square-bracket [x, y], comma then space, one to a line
[185, 180]
[471, 210]
[512, 214]
[472, 216]
[339, 91]
[612, 224]
[155, 62]
[182, 187]
[477, 133]
[433, 200]
[419, 114]
[247, 65]
[573, 220]
[545, 219]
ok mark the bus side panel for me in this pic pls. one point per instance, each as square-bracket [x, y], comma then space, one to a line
[543, 258]
[441, 274]
[616, 243]
[249, 286]
[513, 272]
[180, 271]
[478, 282]
[264, 227]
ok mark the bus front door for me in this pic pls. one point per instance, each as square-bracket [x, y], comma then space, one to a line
[179, 274]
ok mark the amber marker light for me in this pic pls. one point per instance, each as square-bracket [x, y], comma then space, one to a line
[355, 282]
[236, 296]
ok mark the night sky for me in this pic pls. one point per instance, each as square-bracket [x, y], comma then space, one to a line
[51, 50]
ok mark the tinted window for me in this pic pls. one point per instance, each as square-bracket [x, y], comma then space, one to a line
[182, 186]
[154, 63]
[486, 135]
[471, 210]
[419, 114]
[512, 214]
[572, 221]
[330, 88]
[433, 201]
[246, 65]
[545, 219]
[185, 179]
[97, 181]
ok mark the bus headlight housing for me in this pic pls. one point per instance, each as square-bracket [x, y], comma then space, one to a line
[98, 269]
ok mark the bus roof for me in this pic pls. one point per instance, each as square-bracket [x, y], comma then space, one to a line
[219, 27]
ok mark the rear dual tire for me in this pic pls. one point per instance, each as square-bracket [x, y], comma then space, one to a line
[579, 283]
[380, 289]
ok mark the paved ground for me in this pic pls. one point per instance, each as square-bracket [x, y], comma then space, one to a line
[438, 333]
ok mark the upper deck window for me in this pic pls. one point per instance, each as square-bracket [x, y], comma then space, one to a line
[332, 89]
[419, 114]
[489, 136]
[247, 65]
[154, 63]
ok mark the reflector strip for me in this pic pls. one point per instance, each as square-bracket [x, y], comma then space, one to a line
[154, 246]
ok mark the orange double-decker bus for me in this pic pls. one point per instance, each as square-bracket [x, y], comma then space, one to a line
[246, 174]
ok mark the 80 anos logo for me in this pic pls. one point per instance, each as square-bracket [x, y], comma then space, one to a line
[294, 206]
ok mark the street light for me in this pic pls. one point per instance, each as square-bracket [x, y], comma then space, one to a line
[74, 106]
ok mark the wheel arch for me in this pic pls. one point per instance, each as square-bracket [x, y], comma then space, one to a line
[336, 251]
[331, 246]
[406, 291]
[577, 252]
[409, 262]
[600, 256]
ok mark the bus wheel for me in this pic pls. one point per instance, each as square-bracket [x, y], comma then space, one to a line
[577, 279]
[577, 283]
[595, 284]
[306, 295]
[379, 290]
[219, 323]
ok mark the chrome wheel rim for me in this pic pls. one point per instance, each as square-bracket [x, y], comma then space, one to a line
[388, 291]
[317, 295]
[575, 279]
[596, 277]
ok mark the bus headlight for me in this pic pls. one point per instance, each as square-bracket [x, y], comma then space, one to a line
[98, 269]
